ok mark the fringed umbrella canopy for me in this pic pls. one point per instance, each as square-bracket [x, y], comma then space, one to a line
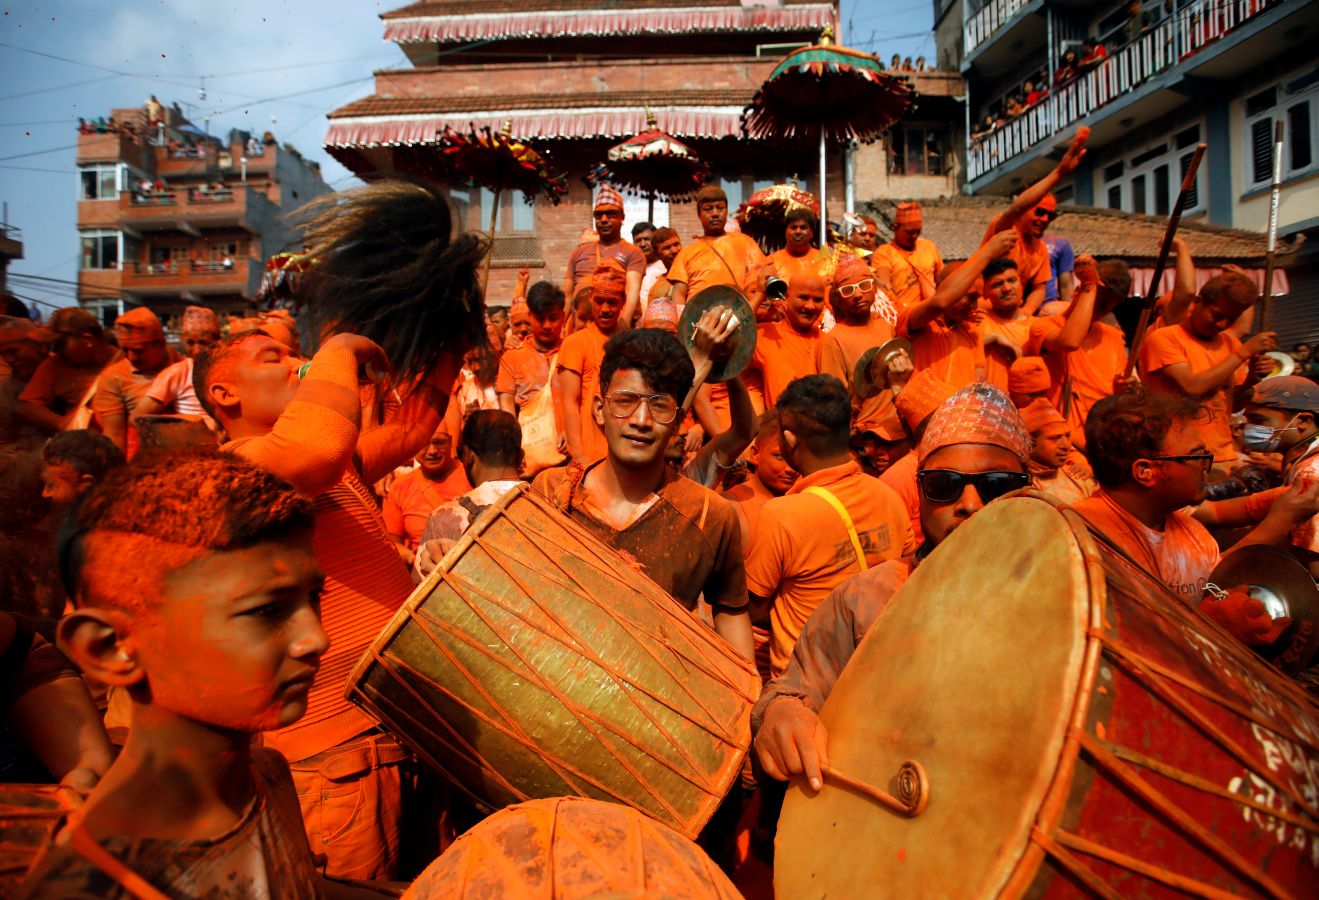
[827, 90]
[499, 162]
[763, 215]
[652, 164]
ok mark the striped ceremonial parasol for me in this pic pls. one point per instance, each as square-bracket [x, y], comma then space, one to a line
[827, 92]
[653, 164]
[763, 216]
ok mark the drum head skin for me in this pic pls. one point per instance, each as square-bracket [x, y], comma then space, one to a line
[569, 848]
[972, 671]
[731, 297]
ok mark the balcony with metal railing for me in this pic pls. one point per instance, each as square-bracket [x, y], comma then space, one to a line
[984, 22]
[1175, 47]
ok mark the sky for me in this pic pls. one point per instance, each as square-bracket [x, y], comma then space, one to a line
[258, 65]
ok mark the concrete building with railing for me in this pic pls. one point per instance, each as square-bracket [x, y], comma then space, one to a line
[170, 216]
[1170, 74]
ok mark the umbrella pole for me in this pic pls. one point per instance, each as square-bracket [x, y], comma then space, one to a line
[490, 253]
[824, 212]
[650, 209]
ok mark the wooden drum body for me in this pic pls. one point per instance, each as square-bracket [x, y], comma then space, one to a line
[569, 848]
[536, 662]
[1083, 732]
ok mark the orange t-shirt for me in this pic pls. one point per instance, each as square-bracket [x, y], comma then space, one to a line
[582, 352]
[523, 373]
[787, 265]
[1181, 556]
[414, 497]
[781, 356]
[748, 499]
[1027, 332]
[911, 276]
[839, 351]
[1032, 264]
[1174, 344]
[901, 476]
[801, 549]
[722, 260]
[1101, 358]
[954, 355]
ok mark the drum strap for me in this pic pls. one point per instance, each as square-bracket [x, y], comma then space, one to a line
[86, 846]
[847, 521]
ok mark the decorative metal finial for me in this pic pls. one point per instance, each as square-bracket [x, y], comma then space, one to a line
[651, 122]
[507, 130]
[827, 36]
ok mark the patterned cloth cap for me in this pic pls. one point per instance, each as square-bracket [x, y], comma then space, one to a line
[908, 214]
[661, 313]
[609, 278]
[922, 395]
[1028, 375]
[199, 318]
[608, 198]
[1039, 414]
[849, 266]
[977, 414]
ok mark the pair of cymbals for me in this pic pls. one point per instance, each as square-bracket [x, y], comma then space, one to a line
[870, 376]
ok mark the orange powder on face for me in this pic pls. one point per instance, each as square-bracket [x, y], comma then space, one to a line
[126, 571]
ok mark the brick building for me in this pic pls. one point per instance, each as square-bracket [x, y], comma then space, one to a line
[170, 216]
[576, 76]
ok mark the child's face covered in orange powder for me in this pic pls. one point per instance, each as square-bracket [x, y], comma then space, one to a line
[234, 638]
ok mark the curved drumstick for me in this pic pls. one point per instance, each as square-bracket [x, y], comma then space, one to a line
[913, 788]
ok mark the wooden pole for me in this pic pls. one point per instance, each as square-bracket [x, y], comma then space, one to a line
[1273, 229]
[490, 253]
[1152, 295]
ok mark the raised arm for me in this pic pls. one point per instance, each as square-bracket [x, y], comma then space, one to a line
[313, 442]
[1031, 196]
[1080, 315]
[388, 446]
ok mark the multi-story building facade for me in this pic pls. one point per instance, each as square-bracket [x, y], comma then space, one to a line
[1172, 74]
[170, 216]
[577, 76]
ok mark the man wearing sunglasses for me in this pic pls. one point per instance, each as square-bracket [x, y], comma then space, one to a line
[974, 450]
[1031, 214]
[1151, 461]
[685, 537]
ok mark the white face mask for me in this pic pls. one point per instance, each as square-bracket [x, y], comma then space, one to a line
[1262, 438]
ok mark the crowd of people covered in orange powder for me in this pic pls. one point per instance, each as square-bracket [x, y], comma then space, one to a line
[209, 525]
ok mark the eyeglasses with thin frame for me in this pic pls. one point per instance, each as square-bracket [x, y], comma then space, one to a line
[1206, 459]
[622, 404]
[946, 485]
[848, 291]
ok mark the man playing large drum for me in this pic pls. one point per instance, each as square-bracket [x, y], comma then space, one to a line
[684, 536]
[975, 449]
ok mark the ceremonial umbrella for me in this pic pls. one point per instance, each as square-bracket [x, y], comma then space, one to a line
[652, 164]
[827, 92]
[498, 162]
[763, 216]
[282, 276]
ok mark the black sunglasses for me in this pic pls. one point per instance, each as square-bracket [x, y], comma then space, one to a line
[1044, 213]
[946, 485]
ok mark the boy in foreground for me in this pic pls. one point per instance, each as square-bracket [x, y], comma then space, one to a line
[213, 630]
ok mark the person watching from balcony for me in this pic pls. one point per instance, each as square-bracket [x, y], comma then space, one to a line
[1036, 89]
[1067, 69]
[895, 63]
[1093, 53]
[123, 384]
[920, 64]
[59, 394]
[1030, 214]
[1015, 107]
